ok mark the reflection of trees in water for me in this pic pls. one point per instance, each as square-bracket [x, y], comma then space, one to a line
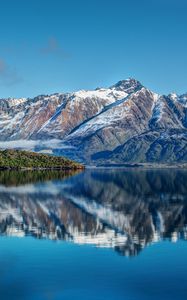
[124, 209]
[15, 178]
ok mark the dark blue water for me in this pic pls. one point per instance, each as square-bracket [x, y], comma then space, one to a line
[100, 234]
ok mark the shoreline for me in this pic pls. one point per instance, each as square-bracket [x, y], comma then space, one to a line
[139, 166]
[41, 168]
[119, 167]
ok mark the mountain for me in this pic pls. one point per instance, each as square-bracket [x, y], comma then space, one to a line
[123, 123]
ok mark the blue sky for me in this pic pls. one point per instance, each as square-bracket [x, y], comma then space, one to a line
[49, 46]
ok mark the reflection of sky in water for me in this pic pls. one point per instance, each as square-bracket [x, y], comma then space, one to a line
[33, 269]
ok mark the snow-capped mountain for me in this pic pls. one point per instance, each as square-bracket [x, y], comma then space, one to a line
[123, 123]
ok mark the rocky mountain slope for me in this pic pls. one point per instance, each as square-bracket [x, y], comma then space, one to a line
[123, 123]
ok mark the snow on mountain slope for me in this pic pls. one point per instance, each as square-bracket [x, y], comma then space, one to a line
[90, 122]
[117, 121]
[80, 106]
[15, 102]
[22, 120]
[55, 115]
[108, 115]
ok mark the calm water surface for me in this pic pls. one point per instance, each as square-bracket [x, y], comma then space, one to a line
[99, 234]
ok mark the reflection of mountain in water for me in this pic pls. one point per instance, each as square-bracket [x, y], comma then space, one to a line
[125, 210]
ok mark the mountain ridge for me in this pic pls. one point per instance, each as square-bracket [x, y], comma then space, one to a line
[127, 121]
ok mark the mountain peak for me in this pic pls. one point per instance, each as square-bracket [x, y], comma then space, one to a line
[128, 85]
[173, 96]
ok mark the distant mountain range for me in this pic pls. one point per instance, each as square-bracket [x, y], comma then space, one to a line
[125, 123]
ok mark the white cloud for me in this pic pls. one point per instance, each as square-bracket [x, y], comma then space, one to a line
[47, 145]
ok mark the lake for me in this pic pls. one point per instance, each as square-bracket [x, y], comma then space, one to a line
[98, 234]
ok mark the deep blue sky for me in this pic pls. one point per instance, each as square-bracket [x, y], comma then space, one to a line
[51, 46]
